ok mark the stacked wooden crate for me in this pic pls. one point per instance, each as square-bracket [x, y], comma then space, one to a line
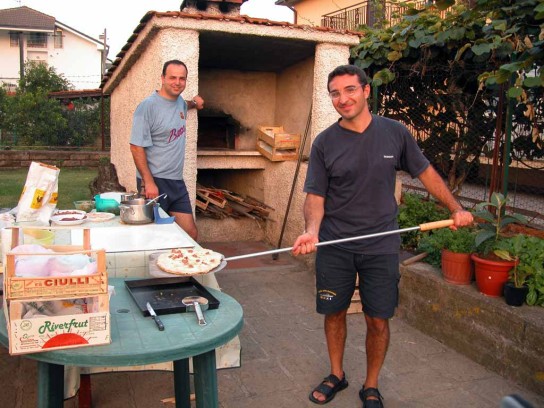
[43, 329]
[277, 145]
[356, 306]
[220, 203]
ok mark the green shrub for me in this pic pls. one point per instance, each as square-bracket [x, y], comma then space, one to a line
[459, 241]
[415, 210]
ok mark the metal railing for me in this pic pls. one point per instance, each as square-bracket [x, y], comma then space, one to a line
[368, 13]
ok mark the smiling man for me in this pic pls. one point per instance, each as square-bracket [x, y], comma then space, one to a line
[158, 141]
[350, 187]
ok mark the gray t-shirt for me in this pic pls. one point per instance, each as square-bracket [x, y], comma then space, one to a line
[159, 126]
[355, 172]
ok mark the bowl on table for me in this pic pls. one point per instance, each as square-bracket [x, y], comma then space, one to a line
[84, 205]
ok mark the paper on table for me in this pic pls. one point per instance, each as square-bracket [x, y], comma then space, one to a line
[129, 238]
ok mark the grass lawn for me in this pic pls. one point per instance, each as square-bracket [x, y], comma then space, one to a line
[73, 186]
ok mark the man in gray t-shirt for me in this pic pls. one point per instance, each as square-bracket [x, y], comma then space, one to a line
[350, 188]
[157, 144]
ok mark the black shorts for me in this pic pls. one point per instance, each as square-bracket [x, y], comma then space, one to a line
[336, 273]
[177, 199]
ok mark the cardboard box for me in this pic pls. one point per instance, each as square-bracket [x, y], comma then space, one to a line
[54, 286]
[45, 333]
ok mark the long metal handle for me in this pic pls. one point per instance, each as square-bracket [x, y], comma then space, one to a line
[199, 314]
[423, 227]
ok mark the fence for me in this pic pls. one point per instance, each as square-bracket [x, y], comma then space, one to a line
[465, 134]
[369, 13]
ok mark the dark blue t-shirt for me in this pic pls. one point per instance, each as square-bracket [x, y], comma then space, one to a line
[355, 173]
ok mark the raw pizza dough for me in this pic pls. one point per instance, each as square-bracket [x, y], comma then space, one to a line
[189, 261]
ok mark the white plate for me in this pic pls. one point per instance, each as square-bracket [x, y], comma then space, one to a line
[69, 213]
[69, 217]
[60, 221]
[99, 216]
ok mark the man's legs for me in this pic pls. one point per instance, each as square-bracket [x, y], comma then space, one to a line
[335, 333]
[187, 223]
[377, 342]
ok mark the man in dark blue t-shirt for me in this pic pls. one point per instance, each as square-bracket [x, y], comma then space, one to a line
[350, 188]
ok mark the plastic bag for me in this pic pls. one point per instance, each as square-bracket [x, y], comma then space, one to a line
[40, 194]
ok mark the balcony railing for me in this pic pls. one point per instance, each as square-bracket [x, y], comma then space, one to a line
[368, 13]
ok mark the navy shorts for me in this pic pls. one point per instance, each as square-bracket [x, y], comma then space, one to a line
[336, 273]
[177, 199]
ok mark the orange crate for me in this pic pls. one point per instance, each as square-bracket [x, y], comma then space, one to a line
[16, 287]
[277, 145]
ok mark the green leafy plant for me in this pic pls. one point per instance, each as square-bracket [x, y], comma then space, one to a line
[529, 253]
[492, 229]
[415, 210]
[458, 241]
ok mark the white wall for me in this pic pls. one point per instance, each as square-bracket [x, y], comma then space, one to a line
[79, 60]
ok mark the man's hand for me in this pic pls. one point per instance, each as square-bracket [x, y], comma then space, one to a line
[151, 189]
[461, 218]
[199, 102]
[305, 244]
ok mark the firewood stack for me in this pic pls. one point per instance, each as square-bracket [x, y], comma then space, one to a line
[218, 203]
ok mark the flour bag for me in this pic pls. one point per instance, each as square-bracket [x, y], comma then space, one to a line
[40, 193]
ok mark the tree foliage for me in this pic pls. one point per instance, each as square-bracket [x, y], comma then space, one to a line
[36, 119]
[501, 37]
[442, 73]
[40, 78]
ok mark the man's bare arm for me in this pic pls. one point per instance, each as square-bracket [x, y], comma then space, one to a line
[438, 188]
[140, 160]
[314, 210]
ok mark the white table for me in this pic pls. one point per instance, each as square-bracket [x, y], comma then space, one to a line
[128, 248]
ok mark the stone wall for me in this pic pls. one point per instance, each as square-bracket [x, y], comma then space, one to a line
[507, 340]
[15, 159]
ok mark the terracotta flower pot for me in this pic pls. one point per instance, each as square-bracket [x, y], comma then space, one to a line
[491, 275]
[456, 268]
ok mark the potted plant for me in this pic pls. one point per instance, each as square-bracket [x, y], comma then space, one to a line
[451, 251]
[491, 270]
[528, 253]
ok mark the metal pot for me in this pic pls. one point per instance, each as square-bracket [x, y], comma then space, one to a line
[129, 196]
[136, 211]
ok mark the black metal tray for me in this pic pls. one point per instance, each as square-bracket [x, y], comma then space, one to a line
[165, 294]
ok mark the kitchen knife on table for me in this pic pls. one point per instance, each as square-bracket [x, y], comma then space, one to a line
[155, 317]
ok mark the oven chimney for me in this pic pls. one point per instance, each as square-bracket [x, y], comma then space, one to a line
[226, 7]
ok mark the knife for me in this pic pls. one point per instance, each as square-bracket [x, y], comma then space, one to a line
[155, 317]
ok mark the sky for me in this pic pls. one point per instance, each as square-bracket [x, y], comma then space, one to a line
[119, 17]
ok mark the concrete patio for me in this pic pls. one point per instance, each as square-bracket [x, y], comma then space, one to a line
[284, 355]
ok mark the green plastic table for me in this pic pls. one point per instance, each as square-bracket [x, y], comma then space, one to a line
[136, 340]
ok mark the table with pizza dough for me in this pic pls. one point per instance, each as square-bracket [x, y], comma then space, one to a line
[136, 340]
[128, 249]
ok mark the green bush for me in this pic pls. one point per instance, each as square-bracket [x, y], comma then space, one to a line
[459, 241]
[415, 210]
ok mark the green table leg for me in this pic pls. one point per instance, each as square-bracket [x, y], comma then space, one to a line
[182, 383]
[50, 385]
[205, 380]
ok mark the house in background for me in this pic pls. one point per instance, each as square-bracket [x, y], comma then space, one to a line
[28, 35]
[347, 14]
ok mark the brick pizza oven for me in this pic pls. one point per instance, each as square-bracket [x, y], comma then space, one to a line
[251, 72]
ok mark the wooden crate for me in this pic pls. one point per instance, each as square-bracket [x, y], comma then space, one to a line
[356, 306]
[32, 334]
[277, 145]
[16, 287]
